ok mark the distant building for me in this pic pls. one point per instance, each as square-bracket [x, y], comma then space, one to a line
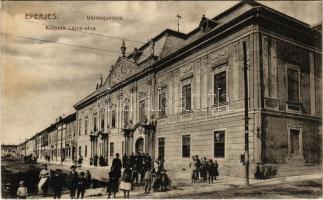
[9, 150]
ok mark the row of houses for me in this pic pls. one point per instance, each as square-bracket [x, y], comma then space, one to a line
[181, 95]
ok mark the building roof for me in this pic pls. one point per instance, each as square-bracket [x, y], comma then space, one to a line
[170, 44]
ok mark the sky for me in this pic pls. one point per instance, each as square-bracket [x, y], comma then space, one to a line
[41, 81]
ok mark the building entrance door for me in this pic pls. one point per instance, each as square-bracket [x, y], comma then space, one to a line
[140, 145]
[295, 142]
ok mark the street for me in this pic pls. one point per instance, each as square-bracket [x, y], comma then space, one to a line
[304, 186]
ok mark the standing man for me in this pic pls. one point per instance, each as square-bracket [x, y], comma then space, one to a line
[73, 181]
[80, 160]
[57, 184]
[116, 167]
[95, 160]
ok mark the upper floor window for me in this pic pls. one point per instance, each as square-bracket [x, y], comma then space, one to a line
[80, 126]
[113, 119]
[86, 125]
[126, 115]
[95, 121]
[162, 102]
[293, 84]
[102, 116]
[220, 86]
[186, 98]
[142, 111]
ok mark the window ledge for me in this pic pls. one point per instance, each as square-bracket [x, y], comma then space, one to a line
[293, 106]
[163, 117]
[186, 112]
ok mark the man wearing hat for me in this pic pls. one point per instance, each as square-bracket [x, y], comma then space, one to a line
[72, 180]
[44, 175]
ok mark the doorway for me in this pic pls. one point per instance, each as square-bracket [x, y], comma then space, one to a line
[140, 145]
[295, 142]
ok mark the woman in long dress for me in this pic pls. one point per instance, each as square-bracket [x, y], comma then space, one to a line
[44, 175]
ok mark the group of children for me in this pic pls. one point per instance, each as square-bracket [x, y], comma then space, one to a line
[156, 178]
[204, 169]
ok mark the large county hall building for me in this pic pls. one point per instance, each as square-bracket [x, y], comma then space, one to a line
[181, 95]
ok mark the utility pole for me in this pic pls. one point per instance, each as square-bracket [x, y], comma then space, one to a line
[246, 118]
[60, 125]
[25, 146]
[178, 17]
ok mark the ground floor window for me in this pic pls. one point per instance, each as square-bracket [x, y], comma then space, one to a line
[85, 151]
[186, 146]
[219, 144]
[111, 149]
[161, 147]
[80, 150]
[122, 144]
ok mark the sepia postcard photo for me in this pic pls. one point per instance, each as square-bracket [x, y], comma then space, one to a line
[161, 99]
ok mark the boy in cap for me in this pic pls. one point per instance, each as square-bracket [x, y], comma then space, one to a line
[22, 191]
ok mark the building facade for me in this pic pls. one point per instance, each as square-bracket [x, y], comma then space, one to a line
[181, 95]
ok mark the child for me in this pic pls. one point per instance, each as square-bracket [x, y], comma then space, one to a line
[112, 185]
[148, 179]
[164, 180]
[81, 185]
[211, 168]
[22, 191]
[126, 183]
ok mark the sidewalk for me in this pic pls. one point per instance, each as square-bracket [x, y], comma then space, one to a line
[221, 184]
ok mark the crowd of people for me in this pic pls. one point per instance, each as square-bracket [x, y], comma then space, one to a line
[125, 173]
[203, 169]
[53, 182]
[138, 170]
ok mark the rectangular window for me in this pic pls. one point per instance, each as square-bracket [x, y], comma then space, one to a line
[113, 120]
[142, 111]
[161, 147]
[162, 102]
[126, 115]
[219, 144]
[220, 85]
[73, 129]
[122, 146]
[102, 116]
[95, 122]
[85, 151]
[293, 85]
[186, 98]
[186, 146]
[111, 149]
[80, 126]
[80, 150]
[86, 125]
